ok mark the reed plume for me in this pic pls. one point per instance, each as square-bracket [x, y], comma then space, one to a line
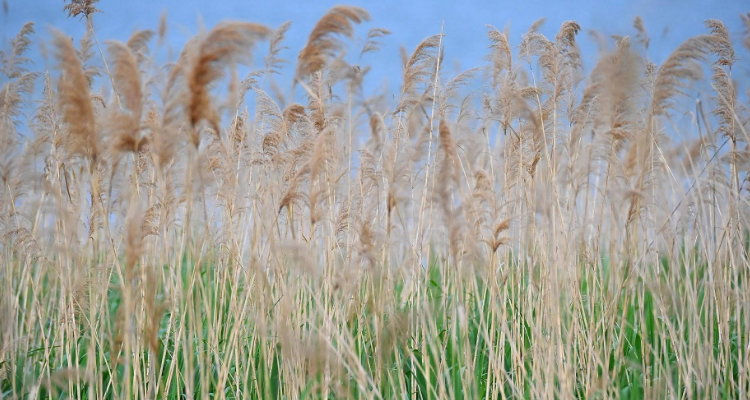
[323, 42]
[226, 44]
[75, 101]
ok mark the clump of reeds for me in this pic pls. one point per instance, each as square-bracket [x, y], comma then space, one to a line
[186, 227]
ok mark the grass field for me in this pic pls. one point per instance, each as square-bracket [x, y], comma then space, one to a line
[195, 227]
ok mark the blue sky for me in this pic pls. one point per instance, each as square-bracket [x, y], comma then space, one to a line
[410, 21]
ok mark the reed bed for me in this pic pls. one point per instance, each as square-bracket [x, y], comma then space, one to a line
[528, 228]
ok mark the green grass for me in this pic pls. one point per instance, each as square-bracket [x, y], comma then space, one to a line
[446, 340]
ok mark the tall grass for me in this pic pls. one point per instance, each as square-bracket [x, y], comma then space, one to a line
[522, 229]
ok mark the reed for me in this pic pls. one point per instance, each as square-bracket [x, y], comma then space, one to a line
[526, 228]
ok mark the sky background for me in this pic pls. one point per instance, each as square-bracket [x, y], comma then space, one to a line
[669, 22]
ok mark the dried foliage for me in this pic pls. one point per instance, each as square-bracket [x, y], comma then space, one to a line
[323, 42]
[178, 227]
[226, 44]
[75, 101]
[81, 7]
